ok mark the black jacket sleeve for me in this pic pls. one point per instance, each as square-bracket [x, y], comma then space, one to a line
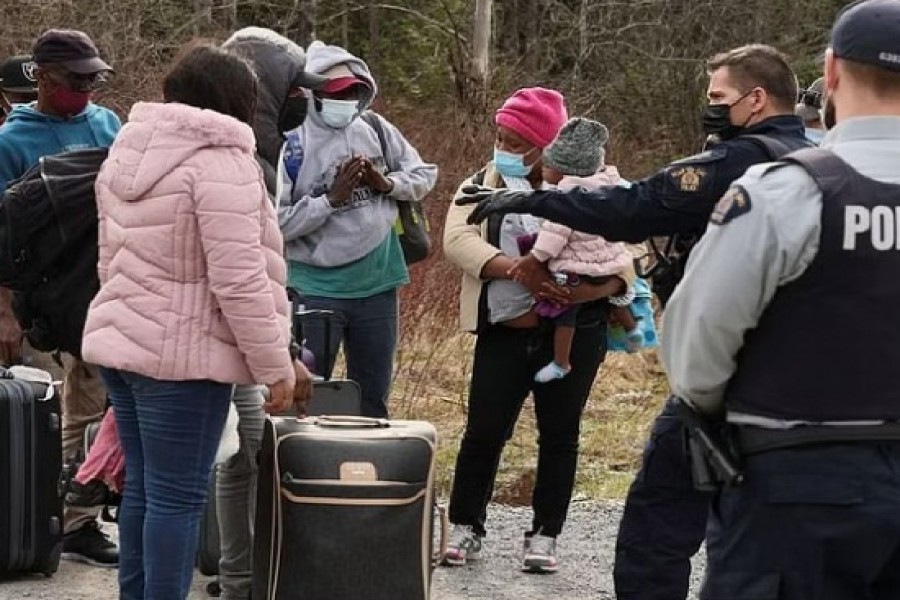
[676, 200]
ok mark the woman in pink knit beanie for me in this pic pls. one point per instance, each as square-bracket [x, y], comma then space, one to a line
[513, 344]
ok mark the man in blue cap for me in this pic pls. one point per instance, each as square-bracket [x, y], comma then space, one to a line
[767, 335]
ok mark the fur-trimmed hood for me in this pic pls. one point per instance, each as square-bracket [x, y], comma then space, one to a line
[159, 137]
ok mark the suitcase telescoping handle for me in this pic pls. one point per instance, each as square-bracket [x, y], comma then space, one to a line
[350, 422]
[326, 316]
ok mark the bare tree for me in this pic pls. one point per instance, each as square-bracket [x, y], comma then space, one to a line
[481, 43]
[374, 41]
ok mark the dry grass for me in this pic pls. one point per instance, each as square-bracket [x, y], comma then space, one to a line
[432, 383]
[434, 359]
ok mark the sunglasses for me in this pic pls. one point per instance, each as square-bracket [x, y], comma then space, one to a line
[79, 82]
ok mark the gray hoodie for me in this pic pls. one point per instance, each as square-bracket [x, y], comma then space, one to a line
[316, 233]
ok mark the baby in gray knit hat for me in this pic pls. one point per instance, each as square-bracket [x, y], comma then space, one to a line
[576, 159]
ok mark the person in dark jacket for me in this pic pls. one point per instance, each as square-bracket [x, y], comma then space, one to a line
[280, 65]
[751, 94]
[801, 254]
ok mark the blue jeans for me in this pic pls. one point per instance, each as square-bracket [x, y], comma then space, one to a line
[368, 329]
[170, 431]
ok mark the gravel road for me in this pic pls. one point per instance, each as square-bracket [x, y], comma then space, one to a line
[585, 553]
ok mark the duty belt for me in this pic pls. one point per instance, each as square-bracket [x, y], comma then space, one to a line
[759, 439]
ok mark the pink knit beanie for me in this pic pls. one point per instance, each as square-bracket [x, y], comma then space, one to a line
[537, 114]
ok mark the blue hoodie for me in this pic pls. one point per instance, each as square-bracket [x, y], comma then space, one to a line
[29, 134]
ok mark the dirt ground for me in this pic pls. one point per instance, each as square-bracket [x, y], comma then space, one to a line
[585, 553]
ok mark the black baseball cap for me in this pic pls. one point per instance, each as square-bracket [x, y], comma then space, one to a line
[17, 75]
[71, 49]
[868, 31]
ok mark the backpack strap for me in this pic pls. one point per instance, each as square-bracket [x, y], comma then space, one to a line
[372, 120]
[827, 169]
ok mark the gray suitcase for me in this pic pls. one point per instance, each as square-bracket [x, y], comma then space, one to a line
[345, 510]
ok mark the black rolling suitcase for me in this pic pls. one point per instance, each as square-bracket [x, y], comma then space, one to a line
[31, 507]
[330, 396]
[344, 510]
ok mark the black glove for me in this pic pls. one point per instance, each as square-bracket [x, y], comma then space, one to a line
[493, 202]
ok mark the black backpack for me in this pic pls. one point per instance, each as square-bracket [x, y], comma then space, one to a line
[48, 247]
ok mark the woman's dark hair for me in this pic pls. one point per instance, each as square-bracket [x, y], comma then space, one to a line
[206, 76]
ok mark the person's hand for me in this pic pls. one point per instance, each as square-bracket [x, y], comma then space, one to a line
[490, 201]
[281, 397]
[303, 388]
[10, 332]
[564, 295]
[345, 181]
[526, 269]
[375, 179]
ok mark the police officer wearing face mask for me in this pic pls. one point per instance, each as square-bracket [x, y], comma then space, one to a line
[751, 93]
[767, 330]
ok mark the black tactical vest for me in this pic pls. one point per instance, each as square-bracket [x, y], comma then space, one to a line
[827, 348]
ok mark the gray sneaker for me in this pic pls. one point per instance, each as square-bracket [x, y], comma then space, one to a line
[540, 554]
[464, 545]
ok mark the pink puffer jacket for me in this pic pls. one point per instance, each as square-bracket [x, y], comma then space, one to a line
[565, 250]
[191, 271]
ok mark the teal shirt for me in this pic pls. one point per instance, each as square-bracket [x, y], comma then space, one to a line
[381, 270]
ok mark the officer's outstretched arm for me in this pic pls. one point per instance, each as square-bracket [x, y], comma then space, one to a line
[763, 233]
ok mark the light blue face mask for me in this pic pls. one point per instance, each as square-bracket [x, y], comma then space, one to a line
[339, 113]
[815, 136]
[510, 164]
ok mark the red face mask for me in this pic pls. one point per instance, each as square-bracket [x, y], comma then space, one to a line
[68, 102]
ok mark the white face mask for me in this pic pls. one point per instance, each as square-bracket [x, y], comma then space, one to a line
[339, 113]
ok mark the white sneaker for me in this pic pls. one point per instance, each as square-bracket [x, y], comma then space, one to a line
[464, 545]
[540, 554]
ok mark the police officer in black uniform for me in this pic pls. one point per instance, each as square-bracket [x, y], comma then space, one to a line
[766, 331]
[752, 91]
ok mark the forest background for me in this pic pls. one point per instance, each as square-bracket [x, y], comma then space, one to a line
[443, 67]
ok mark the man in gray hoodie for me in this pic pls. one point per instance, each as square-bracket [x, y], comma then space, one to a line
[282, 105]
[348, 170]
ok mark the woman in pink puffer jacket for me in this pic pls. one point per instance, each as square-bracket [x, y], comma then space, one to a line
[192, 300]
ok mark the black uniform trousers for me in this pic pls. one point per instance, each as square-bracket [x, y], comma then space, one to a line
[664, 521]
[816, 522]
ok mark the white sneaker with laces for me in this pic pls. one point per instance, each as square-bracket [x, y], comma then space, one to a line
[464, 545]
[540, 554]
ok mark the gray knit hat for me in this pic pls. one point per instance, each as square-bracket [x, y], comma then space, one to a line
[578, 148]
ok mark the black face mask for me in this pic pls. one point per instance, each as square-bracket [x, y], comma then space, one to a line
[293, 113]
[717, 120]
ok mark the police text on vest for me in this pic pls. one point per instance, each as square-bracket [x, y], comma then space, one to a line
[881, 223]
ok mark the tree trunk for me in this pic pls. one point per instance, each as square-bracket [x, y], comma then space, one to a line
[481, 43]
[304, 30]
[345, 25]
[229, 15]
[583, 42]
[202, 15]
[374, 40]
[533, 42]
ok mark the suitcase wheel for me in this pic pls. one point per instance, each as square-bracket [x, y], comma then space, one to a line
[214, 589]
